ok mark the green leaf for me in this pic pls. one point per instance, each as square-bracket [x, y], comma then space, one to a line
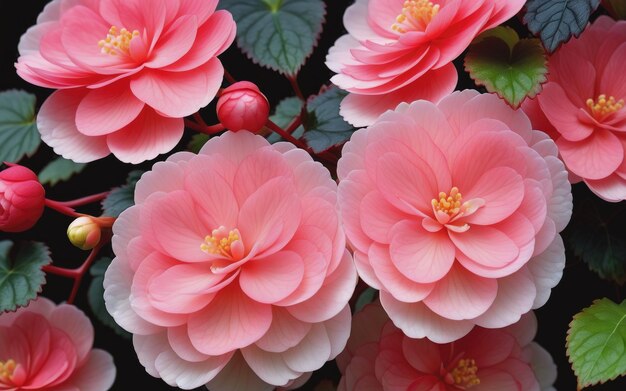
[277, 34]
[365, 298]
[59, 170]
[596, 235]
[18, 130]
[95, 296]
[286, 111]
[21, 277]
[596, 343]
[512, 68]
[197, 142]
[556, 21]
[121, 198]
[325, 127]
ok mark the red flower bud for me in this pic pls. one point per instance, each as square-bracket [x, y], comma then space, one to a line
[21, 199]
[243, 106]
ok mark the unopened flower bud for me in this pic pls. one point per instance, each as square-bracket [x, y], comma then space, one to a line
[22, 199]
[243, 106]
[84, 233]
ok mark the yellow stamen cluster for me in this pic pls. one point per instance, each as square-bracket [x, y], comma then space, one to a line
[464, 374]
[450, 204]
[6, 369]
[604, 106]
[117, 41]
[219, 244]
[416, 14]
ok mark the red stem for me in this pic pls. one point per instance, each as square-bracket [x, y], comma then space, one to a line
[294, 124]
[287, 136]
[84, 200]
[296, 87]
[199, 119]
[208, 129]
[61, 208]
[229, 77]
[76, 274]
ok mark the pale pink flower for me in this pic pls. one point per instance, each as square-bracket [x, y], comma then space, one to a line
[582, 107]
[127, 72]
[49, 347]
[453, 211]
[401, 50]
[380, 357]
[231, 268]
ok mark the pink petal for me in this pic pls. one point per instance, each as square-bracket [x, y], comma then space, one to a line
[213, 37]
[231, 321]
[178, 94]
[392, 280]
[562, 113]
[176, 227]
[422, 354]
[418, 321]
[486, 246]
[175, 43]
[212, 191]
[152, 182]
[269, 217]
[332, 296]
[597, 157]
[237, 375]
[234, 146]
[76, 325]
[350, 194]
[462, 295]
[55, 122]
[182, 289]
[547, 270]
[284, 333]
[270, 367]
[502, 189]
[378, 217]
[272, 278]
[611, 188]
[178, 339]
[613, 81]
[363, 110]
[258, 168]
[422, 256]
[516, 294]
[107, 109]
[149, 135]
[97, 373]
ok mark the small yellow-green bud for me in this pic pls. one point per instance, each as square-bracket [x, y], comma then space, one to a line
[84, 233]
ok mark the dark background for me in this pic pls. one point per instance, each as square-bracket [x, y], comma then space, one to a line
[578, 288]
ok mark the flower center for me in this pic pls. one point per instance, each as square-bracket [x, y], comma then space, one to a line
[224, 242]
[449, 204]
[464, 374]
[416, 14]
[117, 41]
[604, 106]
[6, 370]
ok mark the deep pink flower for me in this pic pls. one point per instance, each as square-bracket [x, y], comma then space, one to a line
[453, 211]
[49, 347]
[243, 106]
[126, 72]
[401, 50]
[582, 107]
[379, 358]
[21, 199]
[231, 268]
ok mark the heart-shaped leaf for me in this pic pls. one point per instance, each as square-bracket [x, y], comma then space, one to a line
[277, 34]
[18, 131]
[595, 343]
[556, 21]
[59, 170]
[512, 68]
[21, 277]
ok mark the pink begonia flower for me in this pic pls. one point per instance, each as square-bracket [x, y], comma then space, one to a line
[231, 268]
[380, 357]
[49, 347]
[22, 199]
[582, 107]
[453, 211]
[126, 73]
[401, 51]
